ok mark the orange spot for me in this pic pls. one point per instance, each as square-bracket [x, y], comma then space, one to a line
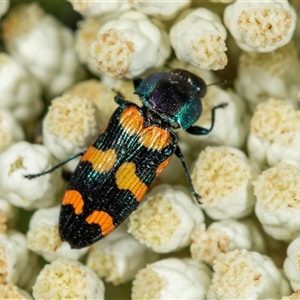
[131, 120]
[155, 138]
[74, 198]
[102, 161]
[103, 219]
[126, 179]
[162, 165]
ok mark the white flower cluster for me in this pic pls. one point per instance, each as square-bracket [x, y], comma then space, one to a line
[230, 242]
[274, 133]
[272, 74]
[20, 91]
[225, 236]
[44, 46]
[261, 26]
[107, 261]
[128, 46]
[223, 177]
[165, 220]
[263, 279]
[68, 279]
[277, 191]
[127, 42]
[199, 39]
[172, 278]
[23, 158]
[70, 126]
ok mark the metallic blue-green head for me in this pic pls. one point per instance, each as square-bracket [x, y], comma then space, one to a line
[175, 96]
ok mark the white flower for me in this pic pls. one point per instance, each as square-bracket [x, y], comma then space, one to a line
[67, 279]
[17, 264]
[4, 4]
[294, 296]
[274, 133]
[264, 75]
[43, 237]
[130, 45]
[172, 278]
[44, 46]
[118, 257]
[103, 96]
[164, 221]
[291, 264]
[96, 8]
[8, 215]
[20, 91]
[223, 177]
[240, 274]
[198, 37]
[21, 159]
[225, 236]
[70, 127]
[261, 26]
[87, 33]
[10, 130]
[278, 201]
[11, 291]
[231, 125]
[160, 9]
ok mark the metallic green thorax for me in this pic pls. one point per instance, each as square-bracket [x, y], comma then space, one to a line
[175, 96]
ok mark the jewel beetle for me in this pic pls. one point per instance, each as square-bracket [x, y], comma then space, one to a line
[115, 172]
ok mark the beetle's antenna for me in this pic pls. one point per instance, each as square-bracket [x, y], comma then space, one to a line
[220, 82]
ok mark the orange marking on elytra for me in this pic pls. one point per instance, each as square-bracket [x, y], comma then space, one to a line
[162, 165]
[131, 120]
[103, 219]
[126, 179]
[74, 198]
[155, 138]
[102, 161]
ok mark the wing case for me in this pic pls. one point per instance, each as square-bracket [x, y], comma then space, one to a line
[114, 175]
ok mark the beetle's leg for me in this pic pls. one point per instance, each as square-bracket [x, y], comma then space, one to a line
[136, 82]
[197, 130]
[119, 98]
[179, 154]
[31, 176]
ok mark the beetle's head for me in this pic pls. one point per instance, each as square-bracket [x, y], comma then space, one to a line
[175, 96]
